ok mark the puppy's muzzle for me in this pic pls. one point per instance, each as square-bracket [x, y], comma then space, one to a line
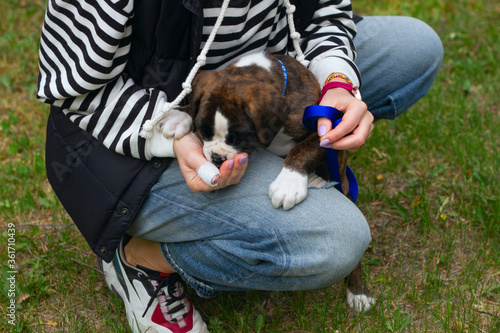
[217, 159]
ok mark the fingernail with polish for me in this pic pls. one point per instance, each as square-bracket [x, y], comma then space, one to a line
[322, 130]
[231, 163]
[243, 159]
[325, 143]
[215, 180]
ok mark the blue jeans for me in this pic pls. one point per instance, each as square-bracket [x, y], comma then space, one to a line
[399, 58]
[233, 239]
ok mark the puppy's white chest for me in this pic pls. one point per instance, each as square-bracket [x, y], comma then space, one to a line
[281, 144]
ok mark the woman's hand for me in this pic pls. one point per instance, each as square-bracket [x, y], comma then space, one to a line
[357, 119]
[189, 153]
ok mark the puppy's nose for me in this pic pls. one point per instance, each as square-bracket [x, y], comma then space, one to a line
[217, 159]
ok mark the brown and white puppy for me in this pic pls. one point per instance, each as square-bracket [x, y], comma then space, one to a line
[246, 106]
[243, 107]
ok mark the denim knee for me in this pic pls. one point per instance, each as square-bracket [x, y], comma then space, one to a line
[328, 254]
[399, 58]
[431, 51]
[307, 254]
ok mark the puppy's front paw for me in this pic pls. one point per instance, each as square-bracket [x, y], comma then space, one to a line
[175, 124]
[288, 189]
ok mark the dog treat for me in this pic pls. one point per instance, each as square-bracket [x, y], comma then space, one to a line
[207, 172]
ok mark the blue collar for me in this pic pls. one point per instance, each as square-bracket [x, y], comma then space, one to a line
[285, 75]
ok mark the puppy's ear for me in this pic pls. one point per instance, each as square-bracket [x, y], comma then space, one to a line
[201, 86]
[269, 117]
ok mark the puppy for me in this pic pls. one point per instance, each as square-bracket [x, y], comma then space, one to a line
[259, 101]
[249, 105]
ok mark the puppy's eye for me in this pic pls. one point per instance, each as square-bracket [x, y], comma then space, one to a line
[233, 139]
[205, 131]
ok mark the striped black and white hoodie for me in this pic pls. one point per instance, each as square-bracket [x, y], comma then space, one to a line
[84, 46]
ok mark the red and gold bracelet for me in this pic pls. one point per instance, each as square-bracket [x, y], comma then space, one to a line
[337, 76]
[335, 84]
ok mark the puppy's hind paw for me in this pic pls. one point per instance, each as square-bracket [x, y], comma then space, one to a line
[175, 124]
[359, 303]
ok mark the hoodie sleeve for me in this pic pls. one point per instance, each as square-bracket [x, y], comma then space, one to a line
[84, 48]
[328, 41]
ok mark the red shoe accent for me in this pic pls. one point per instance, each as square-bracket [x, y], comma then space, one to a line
[159, 319]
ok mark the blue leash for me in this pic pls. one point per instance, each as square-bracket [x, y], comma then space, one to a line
[311, 115]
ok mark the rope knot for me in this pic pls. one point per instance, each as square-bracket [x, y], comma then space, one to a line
[295, 35]
[202, 60]
[290, 9]
[186, 86]
[147, 128]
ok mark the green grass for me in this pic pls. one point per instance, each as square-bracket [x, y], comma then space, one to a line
[429, 188]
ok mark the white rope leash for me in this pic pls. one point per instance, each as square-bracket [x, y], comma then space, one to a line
[294, 35]
[148, 126]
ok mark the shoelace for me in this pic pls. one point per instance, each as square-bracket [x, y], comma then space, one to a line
[173, 302]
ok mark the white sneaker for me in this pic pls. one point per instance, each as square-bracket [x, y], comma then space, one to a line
[154, 301]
